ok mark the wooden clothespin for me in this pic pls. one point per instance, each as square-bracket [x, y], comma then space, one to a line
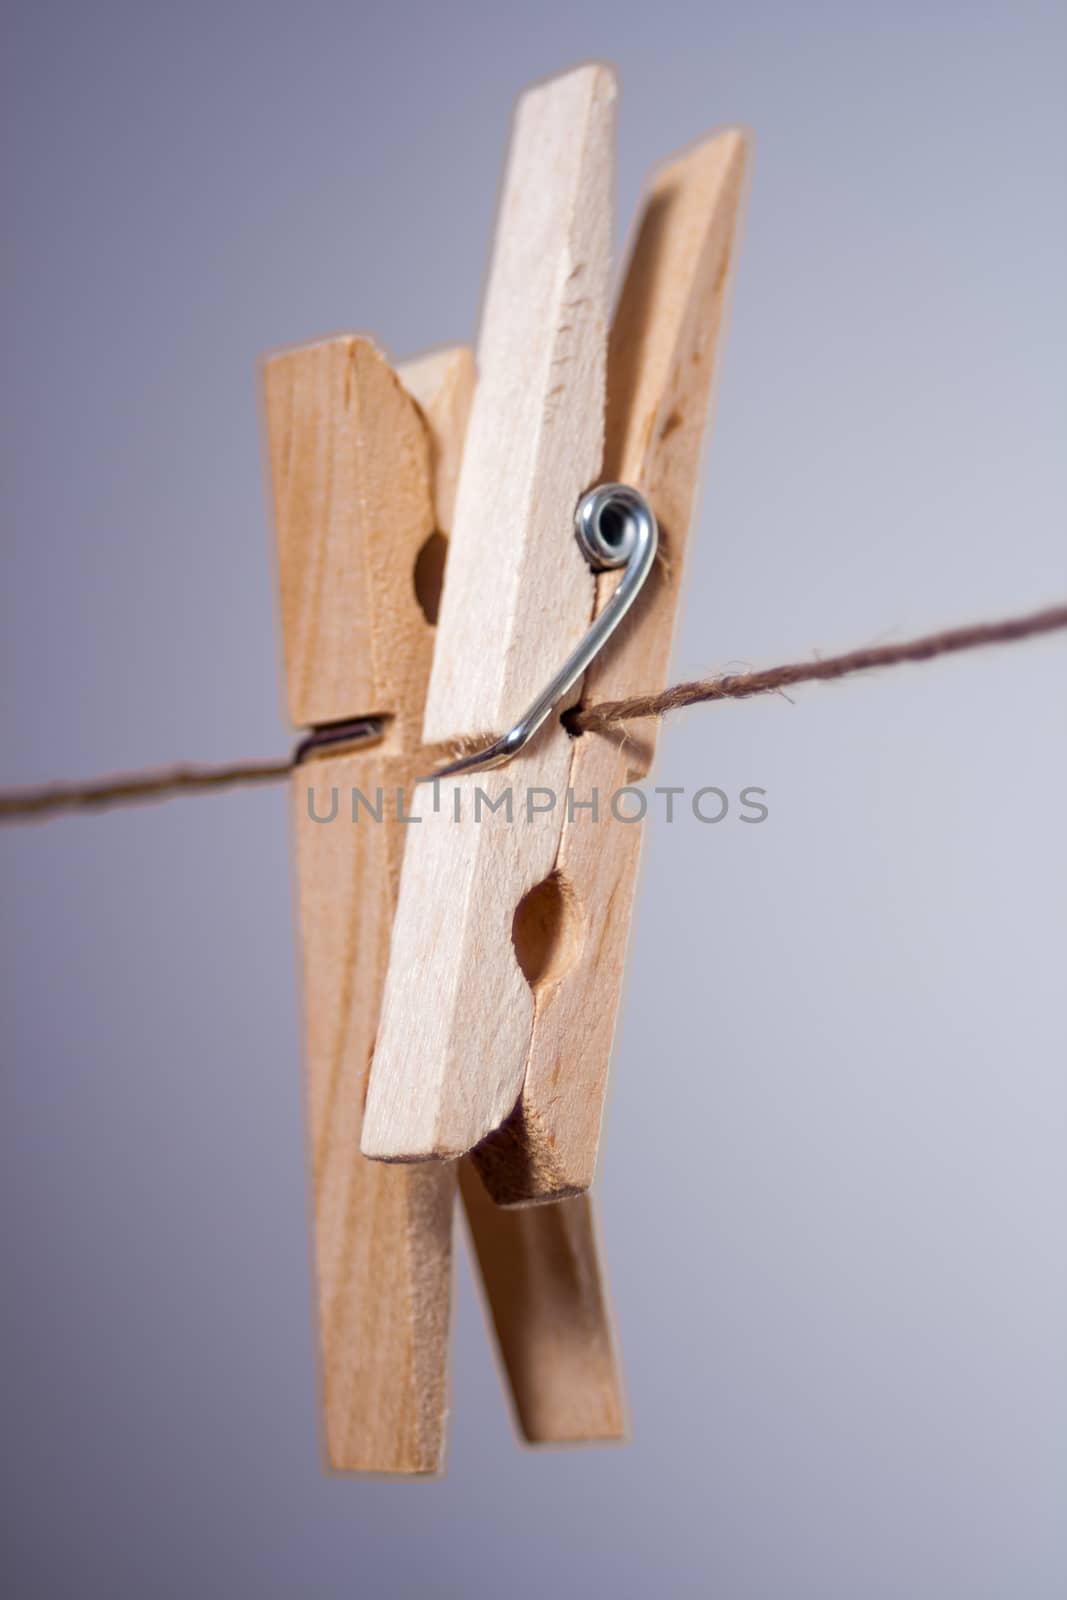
[511, 929]
[506, 952]
[363, 466]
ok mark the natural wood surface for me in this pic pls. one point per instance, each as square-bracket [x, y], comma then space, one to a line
[661, 369]
[382, 1235]
[546, 1296]
[351, 475]
[458, 1011]
[337, 418]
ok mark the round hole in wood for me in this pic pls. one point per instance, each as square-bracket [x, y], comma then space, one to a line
[430, 575]
[547, 931]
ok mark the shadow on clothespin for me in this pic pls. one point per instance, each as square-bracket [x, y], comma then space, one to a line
[463, 958]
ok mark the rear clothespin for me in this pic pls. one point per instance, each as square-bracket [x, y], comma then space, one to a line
[351, 468]
[517, 886]
[363, 466]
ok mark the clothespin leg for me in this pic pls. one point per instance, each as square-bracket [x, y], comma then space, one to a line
[546, 1295]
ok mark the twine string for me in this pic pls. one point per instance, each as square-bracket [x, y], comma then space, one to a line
[741, 685]
[606, 718]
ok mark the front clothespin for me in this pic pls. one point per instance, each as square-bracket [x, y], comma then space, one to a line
[364, 464]
[515, 897]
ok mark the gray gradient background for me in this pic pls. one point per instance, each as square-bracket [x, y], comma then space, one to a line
[839, 1261]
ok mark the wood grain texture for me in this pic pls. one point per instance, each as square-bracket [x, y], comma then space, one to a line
[339, 498]
[458, 1013]
[546, 1296]
[661, 367]
[542, 1277]
[382, 1236]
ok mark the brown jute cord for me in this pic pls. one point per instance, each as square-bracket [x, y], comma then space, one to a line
[21, 805]
[133, 788]
[740, 685]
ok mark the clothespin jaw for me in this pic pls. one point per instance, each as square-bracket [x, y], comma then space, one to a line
[353, 497]
[364, 466]
[509, 943]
